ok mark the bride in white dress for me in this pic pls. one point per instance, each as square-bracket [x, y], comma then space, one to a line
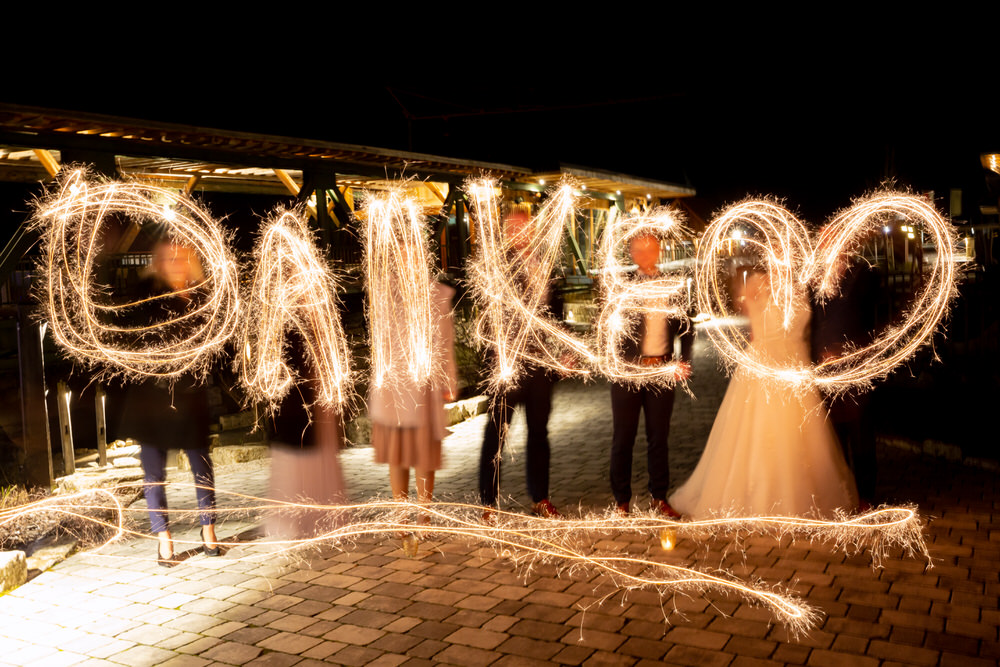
[771, 449]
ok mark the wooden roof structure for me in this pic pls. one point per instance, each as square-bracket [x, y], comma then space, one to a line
[246, 162]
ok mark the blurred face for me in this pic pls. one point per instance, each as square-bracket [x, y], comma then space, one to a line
[175, 264]
[519, 231]
[645, 251]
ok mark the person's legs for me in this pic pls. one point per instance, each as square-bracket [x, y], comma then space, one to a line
[625, 405]
[500, 411]
[657, 408]
[399, 480]
[154, 461]
[425, 491]
[204, 479]
[425, 485]
[537, 407]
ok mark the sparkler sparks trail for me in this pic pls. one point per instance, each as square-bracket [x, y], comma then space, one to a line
[86, 323]
[568, 543]
[292, 288]
[794, 265]
[623, 295]
[510, 279]
[398, 270]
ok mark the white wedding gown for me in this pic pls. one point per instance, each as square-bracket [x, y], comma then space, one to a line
[771, 449]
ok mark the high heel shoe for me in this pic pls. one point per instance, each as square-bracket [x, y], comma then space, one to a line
[209, 551]
[164, 561]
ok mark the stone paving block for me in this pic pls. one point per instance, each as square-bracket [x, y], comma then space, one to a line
[429, 611]
[249, 635]
[194, 623]
[964, 660]
[274, 659]
[792, 654]
[142, 656]
[402, 624]
[198, 645]
[289, 642]
[470, 618]
[354, 655]
[354, 635]
[520, 661]
[604, 659]
[739, 626]
[186, 661]
[529, 647]
[748, 646]
[857, 628]
[745, 661]
[291, 623]
[394, 642]
[467, 656]
[900, 635]
[476, 637]
[697, 638]
[235, 653]
[921, 621]
[963, 612]
[696, 657]
[369, 618]
[913, 655]
[573, 654]
[986, 632]
[322, 650]
[538, 630]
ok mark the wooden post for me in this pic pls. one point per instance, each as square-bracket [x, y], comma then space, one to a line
[65, 429]
[36, 448]
[102, 431]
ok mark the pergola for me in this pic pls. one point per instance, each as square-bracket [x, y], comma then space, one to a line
[322, 175]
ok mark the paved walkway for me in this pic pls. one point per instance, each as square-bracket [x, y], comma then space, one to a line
[460, 603]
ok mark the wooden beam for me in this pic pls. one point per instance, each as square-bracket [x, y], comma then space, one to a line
[65, 428]
[435, 191]
[35, 446]
[189, 186]
[345, 192]
[49, 162]
[102, 431]
[288, 181]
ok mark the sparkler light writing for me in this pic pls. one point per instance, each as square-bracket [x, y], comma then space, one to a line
[292, 288]
[87, 324]
[568, 543]
[793, 265]
[397, 262]
[511, 281]
[624, 295]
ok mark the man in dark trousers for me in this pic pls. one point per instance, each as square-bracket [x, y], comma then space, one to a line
[652, 344]
[533, 389]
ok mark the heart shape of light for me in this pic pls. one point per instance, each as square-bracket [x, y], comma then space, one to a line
[795, 265]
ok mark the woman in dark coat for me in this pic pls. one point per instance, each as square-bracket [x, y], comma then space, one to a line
[165, 413]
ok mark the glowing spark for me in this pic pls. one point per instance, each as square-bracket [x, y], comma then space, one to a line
[793, 265]
[511, 282]
[398, 272]
[86, 322]
[623, 294]
[565, 542]
[292, 288]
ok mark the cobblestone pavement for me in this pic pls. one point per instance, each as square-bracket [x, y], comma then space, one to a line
[459, 603]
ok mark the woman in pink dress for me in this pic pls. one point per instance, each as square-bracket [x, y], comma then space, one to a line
[408, 420]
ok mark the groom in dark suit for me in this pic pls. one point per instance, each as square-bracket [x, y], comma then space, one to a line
[651, 344]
